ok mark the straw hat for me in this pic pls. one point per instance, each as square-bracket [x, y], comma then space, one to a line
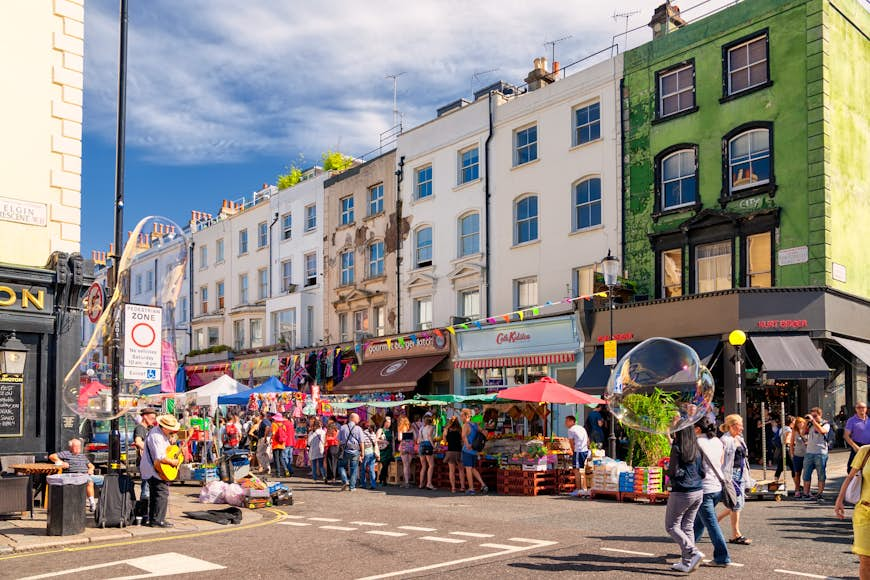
[168, 422]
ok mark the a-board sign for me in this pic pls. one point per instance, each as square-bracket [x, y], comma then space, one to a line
[11, 405]
[143, 328]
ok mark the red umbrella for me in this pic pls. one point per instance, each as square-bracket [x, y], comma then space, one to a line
[547, 390]
[89, 390]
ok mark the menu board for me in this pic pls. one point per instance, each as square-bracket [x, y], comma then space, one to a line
[11, 407]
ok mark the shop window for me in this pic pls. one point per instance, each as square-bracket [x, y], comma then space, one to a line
[423, 247]
[672, 273]
[746, 65]
[713, 267]
[676, 90]
[423, 313]
[759, 255]
[515, 376]
[525, 293]
[526, 219]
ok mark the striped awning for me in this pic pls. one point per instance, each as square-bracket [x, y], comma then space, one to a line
[515, 361]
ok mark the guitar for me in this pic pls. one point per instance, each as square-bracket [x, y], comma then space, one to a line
[168, 472]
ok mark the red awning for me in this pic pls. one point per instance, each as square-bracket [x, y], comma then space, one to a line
[515, 361]
[391, 375]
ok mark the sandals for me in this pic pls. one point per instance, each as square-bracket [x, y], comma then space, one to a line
[432, 487]
[742, 540]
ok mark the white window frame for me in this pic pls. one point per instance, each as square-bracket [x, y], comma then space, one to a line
[262, 235]
[678, 92]
[698, 260]
[583, 280]
[149, 280]
[310, 217]
[463, 237]
[138, 283]
[519, 285]
[376, 202]
[745, 45]
[532, 146]
[589, 203]
[286, 275]
[342, 327]
[752, 157]
[244, 287]
[216, 334]
[310, 273]
[463, 297]
[379, 320]
[255, 331]
[680, 178]
[203, 257]
[219, 251]
[419, 251]
[243, 242]
[287, 226]
[360, 322]
[588, 124]
[421, 313]
[426, 184]
[220, 294]
[203, 300]
[262, 283]
[465, 169]
[375, 264]
[346, 268]
[239, 339]
[346, 215]
[530, 219]
[284, 322]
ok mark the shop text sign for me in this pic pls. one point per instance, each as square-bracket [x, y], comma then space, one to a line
[11, 405]
[784, 324]
[512, 337]
[620, 337]
[23, 212]
[143, 351]
[394, 348]
[23, 298]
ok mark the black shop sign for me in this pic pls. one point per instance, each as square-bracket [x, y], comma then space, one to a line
[11, 407]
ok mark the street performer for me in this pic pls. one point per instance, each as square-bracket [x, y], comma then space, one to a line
[156, 444]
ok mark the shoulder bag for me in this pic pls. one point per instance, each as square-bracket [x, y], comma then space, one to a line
[729, 494]
[853, 491]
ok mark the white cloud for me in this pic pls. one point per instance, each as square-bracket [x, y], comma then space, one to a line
[221, 81]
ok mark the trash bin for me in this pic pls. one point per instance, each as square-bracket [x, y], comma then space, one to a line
[66, 503]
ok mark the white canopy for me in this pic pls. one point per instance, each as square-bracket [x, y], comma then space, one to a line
[208, 394]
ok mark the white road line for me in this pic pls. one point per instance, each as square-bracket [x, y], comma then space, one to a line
[731, 565]
[416, 529]
[289, 517]
[298, 524]
[389, 534]
[337, 528]
[168, 564]
[368, 524]
[472, 535]
[445, 540]
[324, 519]
[502, 546]
[805, 575]
[525, 540]
[627, 552]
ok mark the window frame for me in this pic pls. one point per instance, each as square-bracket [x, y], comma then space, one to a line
[262, 235]
[244, 289]
[575, 127]
[220, 294]
[727, 95]
[675, 69]
[219, 251]
[203, 258]
[378, 202]
[285, 279]
[309, 216]
[427, 183]
[258, 323]
[575, 225]
[693, 265]
[309, 274]
[418, 323]
[347, 275]
[379, 320]
[463, 168]
[418, 263]
[575, 279]
[243, 241]
[461, 295]
[462, 237]
[769, 187]
[379, 260]
[537, 217]
[745, 274]
[660, 274]
[516, 291]
[528, 145]
[203, 300]
[287, 226]
[658, 164]
[346, 215]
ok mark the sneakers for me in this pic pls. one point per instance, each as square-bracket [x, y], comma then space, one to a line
[345, 487]
[92, 504]
[576, 493]
[680, 567]
[695, 561]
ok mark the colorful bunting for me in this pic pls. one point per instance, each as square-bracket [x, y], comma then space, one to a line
[401, 341]
[520, 314]
[451, 330]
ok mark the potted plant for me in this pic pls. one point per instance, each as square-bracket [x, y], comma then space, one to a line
[658, 409]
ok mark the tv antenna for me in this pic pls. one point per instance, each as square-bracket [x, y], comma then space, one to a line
[475, 77]
[625, 16]
[552, 44]
[395, 78]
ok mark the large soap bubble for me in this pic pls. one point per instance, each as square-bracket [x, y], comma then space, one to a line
[151, 271]
[660, 386]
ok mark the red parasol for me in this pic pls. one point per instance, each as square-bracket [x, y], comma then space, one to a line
[89, 390]
[547, 390]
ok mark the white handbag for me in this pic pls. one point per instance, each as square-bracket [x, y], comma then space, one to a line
[853, 491]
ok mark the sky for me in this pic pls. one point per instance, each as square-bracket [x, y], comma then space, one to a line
[223, 96]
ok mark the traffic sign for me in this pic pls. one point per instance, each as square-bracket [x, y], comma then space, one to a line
[143, 327]
[94, 302]
[609, 352]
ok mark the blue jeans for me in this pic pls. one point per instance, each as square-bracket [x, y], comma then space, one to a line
[145, 491]
[815, 461]
[369, 469]
[318, 470]
[282, 466]
[706, 518]
[350, 462]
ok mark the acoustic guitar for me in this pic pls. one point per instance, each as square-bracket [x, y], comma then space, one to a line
[168, 472]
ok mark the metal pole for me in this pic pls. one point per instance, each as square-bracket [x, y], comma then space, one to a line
[763, 442]
[612, 438]
[738, 366]
[115, 435]
[782, 441]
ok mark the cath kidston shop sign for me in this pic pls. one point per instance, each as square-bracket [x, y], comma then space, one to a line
[143, 326]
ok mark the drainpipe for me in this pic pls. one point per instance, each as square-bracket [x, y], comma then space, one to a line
[487, 195]
[400, 175]
[271, 239]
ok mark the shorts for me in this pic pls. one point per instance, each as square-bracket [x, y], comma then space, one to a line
[736, 474]
[469, 459]
[815, 461]
[406, 446]
[426, 448]
[97, 480]
[580, 459]
[453, 457]
[797, 465]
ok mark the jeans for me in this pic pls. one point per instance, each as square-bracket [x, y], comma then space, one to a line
[369, 469]
[144, 491]
[815, 461]
[332, 463]
[680, 520]
[318, 469]
[350, 462]
[281, 465]
[706, 518]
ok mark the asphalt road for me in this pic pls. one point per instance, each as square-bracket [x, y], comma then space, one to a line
[411, 534]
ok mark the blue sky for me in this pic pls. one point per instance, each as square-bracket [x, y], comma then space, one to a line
[223, 95]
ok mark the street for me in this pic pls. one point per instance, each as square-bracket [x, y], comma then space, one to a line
[412, 534]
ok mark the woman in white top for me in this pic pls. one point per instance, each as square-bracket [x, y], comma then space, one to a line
[316, 440]
[714, 454]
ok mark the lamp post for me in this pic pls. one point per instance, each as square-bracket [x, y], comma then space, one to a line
[737, 338]
[13, 355]
[610, 266]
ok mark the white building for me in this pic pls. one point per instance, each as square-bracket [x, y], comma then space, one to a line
[294, 309]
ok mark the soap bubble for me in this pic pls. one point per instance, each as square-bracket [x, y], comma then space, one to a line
[152, 280]
[660, 386]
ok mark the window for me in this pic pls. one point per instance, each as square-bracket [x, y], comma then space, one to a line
[219, 287]
[423, 313]
[526, 220]
[287, 226]
[424, 182]
[759, 271]
[262, 284]
[584, 280]
[199, 339]
[587, 204]
[256, 328]
[360, 322]
[672, 273]
[262, 235]
[713, 266]
[149, 280]
[310, 217]
[526, 292]
[309, 325]
[679, 180]
[182, 309]
[347, 268]
[346, 216]
[238, 334]
[342, 327]
[203, 300]
[311, 269]
[469, 303]
[469, 234]
[214, 336]
[587, 124]
[469, 165]
[749, 159]
[376, 199]
[526, 145]
[284, 327]
[219, 251]
[138, 283]
[243, 242]
[376, 259]
[203, 257]
[746, 65]
[423, 247]
[676, 90]
[243, 289]
[286, 275]
[379, 320]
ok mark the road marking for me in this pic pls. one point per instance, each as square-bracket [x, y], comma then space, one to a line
[500, 546]
[805, 575]
[627, 552]
[525, 540]
[445, 540]
[299, 524]
[289, 517]
[730, 564]
[533, 544]
[324, 519]
[416, 529]
[337, 528]
[157, 565]
[384, 533]
[368, 523]
[472, 535]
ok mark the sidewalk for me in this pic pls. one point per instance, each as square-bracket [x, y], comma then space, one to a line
[836, 472]
[25, 534]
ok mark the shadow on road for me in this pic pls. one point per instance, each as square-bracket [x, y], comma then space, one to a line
[591, 562]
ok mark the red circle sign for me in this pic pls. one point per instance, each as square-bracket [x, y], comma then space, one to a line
[94, 301]
[143, 335]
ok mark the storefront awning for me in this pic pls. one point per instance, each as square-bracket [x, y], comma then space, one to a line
[515, 361]
[790, 357]
[860, 349]
[391, 375]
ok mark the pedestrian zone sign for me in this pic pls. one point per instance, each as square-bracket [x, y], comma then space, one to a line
[143, 326]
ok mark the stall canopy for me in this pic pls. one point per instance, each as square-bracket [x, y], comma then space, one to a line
[272, 385]
[209, 394]
[389, 376]
[860, 349]
[790, 357]
[547, 390]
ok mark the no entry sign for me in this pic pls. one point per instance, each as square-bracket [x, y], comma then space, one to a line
[142, 342]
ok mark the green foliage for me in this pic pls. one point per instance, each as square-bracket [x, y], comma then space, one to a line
[209, 350]
[658, 410]
[335, 161]
[290, 179]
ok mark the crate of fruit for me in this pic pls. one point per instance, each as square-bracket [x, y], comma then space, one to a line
[538, 464]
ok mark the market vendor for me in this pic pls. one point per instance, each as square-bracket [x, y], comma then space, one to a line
[74, 461]
[579, 440]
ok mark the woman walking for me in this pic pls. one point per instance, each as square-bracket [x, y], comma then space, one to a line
[331, 448]
[406, 448]
[861, 513]
[427, 453]
[736, 455]
[686, 471]
[713, 454]
[453, 435]
[316, 449]
[798, 447]
[252, 440]
[385, 447]
[469, 455]
[370, 455]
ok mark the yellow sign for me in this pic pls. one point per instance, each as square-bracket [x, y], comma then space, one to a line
[609, 352]
[22, 298]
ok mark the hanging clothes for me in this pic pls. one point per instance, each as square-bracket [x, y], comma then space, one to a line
[311, 365]
[339, 370]
[329, 364]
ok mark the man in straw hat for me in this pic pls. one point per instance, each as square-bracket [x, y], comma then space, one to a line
[156, 444]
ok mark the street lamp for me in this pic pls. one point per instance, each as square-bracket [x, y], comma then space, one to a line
[13, 355]
[610, 265]
[737, 338]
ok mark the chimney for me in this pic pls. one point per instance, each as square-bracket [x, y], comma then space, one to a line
[539, 76]
[666, 18]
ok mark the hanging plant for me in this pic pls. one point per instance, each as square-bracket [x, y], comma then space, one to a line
[658, 409]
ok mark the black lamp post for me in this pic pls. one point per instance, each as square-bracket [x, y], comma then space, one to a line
[610, 266]
[737, 338]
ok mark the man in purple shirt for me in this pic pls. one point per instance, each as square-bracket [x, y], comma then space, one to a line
[857, 431]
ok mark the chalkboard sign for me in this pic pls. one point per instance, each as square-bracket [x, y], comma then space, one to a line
[11, 408]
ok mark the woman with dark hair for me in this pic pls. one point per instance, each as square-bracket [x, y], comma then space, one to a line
[713, 454]
[454, 454]
[686, 471]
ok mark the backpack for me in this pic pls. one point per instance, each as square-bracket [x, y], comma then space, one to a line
[280, 435]
[831, 435]
[478, 440]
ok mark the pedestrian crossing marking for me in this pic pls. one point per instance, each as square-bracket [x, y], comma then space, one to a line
[417, 529]
[444, 540]
[472, 534]
[385, 533]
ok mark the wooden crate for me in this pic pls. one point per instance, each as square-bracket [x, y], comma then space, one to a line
[617, 495]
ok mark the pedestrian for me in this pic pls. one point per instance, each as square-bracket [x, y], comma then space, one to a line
[264, 444]
[331, 452]
[469, 455]
[857, 431]
[280, 434]
[252, 440]
[595, 426]
[407, 441]
[816, 458]
[713, 454]
[371, 453]
[798, 450]
[156, 444]
[735, 460]
[231, 435]
[385, 448]
[453, 436]
[350, 437]
[316, 449]
[149, 419]
[579, 440]
[686, 472]
[785, 440]
[427, 453]
[861, 513]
